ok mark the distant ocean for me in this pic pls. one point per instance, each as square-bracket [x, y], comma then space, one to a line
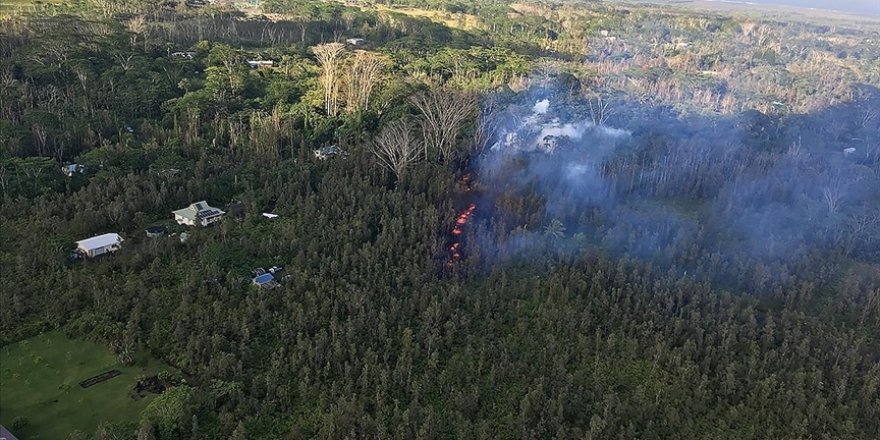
[870, 7]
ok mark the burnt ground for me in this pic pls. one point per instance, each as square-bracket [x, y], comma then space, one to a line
[151, 385]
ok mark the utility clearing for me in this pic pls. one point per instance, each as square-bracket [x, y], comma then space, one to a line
[62, 385]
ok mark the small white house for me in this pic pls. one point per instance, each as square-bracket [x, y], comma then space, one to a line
[5, 434]
[199, 213]
[325, 153]
[356, 41]
[72, 169]
[186, 55]
[100, 244]
[256, 64]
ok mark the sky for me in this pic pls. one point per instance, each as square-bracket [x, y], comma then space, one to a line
[853, 6]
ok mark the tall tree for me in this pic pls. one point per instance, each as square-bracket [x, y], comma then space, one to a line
[444, 112]
[330, 56]
[396, 147]
[137, 26]
[365, 73]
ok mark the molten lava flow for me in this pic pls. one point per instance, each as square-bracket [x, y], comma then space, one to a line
[461, 220]
[465, 182]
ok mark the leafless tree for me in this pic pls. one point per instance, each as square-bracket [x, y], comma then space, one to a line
[365, 73]
[833, 195]
[396, 147]
[444, 113]
[83, 76]
[794, 150]
[40, 134]
[872, 152]
[330, 56]
[124, 61]
[600, 110]
[137, 26]
[4, 178]
[867, 115]
[107, 7]
[859, 226]
[6, 77]
[33, 172]
[487, 123]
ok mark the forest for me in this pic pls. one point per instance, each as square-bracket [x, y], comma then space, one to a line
[491, 219]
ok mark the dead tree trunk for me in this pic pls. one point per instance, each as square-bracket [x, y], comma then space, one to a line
[365, 73]
[396, 147]
[444, 113]
[330, 56]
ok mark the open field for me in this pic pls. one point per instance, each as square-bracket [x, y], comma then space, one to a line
[453, 20]
[40, 377]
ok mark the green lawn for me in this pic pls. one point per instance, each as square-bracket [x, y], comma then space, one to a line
[10, 6]
[39, 380]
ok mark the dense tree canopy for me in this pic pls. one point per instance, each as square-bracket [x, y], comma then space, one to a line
[572, 321]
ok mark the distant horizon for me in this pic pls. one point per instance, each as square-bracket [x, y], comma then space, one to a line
[871, 7]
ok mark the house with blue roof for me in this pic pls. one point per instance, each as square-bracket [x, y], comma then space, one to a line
[266, 280]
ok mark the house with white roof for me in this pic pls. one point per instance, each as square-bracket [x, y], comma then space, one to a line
[198, 214]
[73, 169]
[5, 434]
[99, 244]
[184, 54]
[256, 64]
[325, 153]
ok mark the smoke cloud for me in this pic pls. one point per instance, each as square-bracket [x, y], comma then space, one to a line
[691, 192]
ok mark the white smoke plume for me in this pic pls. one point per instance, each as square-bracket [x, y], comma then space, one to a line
[540, 132]
[669, 183]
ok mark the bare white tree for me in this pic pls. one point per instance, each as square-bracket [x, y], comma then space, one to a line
[365, 73]
[396, 147]
[330, 56]
[107, 7]
[868, 114]
[833, 195]
[444, 113]
[600, 110]
[872, 152]
[40, 134]
[485, 126]
[123, 60]
[137, 26]
[859, 226]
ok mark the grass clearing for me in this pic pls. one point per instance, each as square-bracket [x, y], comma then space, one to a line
[39, 379]
[9, 7]
[449, 19]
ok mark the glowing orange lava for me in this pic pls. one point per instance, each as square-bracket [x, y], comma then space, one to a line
[461, 220]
